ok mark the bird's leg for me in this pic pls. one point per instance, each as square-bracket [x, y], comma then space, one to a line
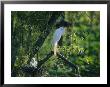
[55, 49]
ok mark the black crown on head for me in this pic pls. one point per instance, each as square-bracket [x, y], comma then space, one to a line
[63, 23]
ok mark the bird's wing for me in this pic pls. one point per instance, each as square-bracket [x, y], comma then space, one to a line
[57, 35]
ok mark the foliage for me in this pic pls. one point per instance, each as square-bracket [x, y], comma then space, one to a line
[32, 34]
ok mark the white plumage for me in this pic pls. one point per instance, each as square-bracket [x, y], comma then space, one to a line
[56, 37]
[33, 63]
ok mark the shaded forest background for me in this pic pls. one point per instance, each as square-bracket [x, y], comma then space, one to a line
[32, 34]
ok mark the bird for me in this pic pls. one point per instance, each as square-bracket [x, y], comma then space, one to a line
[59, 33]
[56, 37]
[33, 63]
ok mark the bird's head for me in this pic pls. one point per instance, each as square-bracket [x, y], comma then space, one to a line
[63, 24]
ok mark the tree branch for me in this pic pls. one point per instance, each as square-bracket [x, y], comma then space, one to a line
[69, 63]
[45, 59]
[43, 36]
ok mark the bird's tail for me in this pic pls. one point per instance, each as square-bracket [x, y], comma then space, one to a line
[55, 49]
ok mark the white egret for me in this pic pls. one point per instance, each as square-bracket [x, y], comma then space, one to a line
[33, 63]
